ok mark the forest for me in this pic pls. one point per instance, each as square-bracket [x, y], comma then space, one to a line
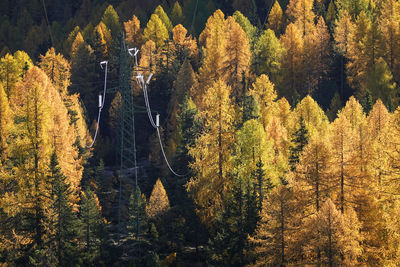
[200, 133]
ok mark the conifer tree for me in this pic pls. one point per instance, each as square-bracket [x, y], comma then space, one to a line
[264, 93]
[5, 127]
[238, 56]
[159, 11]
[331, 238]
[132, 30]
[155, 31]
[334, 106]
[389, 21]
[213, 41]
[177, 16]
[301, 14]
[314, 117]
[91, 227]
[158, 203]
[57, 68]
[312, 174]
[12, 70]
[249, 29]
[111, 21]
[292, 62]
[268, 55]
[63, 220]
[212, 151]
[271, 243]
[136, 213]
[317, 54]
[331, 16]
[299, 141]
[78, 41]
[275, 19]
[380, 84]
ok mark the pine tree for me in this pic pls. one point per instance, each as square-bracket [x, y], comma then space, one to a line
[92, 224]
[299, 141]
[212, 151]
[63, 220]
[111, 21]
[177, 16]
[155, 31]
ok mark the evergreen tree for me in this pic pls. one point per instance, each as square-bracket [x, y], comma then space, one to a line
[299, 141]
[63, 220]
[177, 16]
[111, 21]
[91, 227]
[137, 219]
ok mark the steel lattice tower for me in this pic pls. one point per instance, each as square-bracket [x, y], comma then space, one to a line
[127, 129]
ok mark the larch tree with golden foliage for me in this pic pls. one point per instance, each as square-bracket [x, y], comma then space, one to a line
[5, 126]
[331, 238]
[155, 31]
[389, 24]
[238, 56]
[264, 93]
[275, 18]
[213, 41]
[57, 68]
[272, 242]
[292, 63]
[317, 54]
[300, 12]
[212, 151]
[133, 32]
[158, 202]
